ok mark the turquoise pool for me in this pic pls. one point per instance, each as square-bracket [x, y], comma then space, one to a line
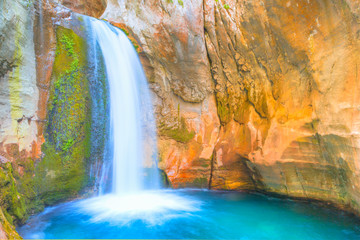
[191, 214]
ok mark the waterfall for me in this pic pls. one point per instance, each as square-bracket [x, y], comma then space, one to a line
[129, 161]
[132, 124]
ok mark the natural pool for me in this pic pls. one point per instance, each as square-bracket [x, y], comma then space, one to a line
[190, 214]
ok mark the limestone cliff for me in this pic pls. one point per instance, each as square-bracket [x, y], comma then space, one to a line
[254, 95]
[249, 95]
[94, 8]
[19, 94]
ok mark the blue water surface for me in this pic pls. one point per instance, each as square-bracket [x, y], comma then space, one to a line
[214, 215]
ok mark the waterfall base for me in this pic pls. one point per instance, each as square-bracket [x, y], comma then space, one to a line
[190, 215]
[151, 207]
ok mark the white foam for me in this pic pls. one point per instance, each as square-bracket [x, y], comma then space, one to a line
[151, 207]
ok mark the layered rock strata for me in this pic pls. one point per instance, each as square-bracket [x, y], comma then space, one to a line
[249, 95]
[254, 95]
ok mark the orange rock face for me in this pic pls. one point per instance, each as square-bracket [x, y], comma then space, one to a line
[249, 95]
[94, 8]
[260, 95]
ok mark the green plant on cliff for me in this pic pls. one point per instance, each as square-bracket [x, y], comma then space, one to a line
[25, 184]
[130, 37]
[7, 227]
[68, 45]
[200, 182]
[223, 109]
[61, 173]
[179, 132]
[12, 202]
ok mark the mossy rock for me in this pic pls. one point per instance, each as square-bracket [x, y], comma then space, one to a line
[200, 182]
[8, 228]
[11, 201]
[179, 132]
[62, 171]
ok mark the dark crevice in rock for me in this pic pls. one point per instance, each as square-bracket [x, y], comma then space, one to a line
[260, 115]
[301, 180]
[6, 66]
[226, 29]
[213, 159]
[29, 119]
[284, 178]
[254, 174]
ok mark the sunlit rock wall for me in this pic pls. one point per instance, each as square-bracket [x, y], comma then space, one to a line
[19, 93]
[249, 95]
[254, 95]
[94, 8]
[19, 139]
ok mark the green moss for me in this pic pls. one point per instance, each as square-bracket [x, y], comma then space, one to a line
[12, 202]
[63, 179]
[200, 183]
[125, 31]
[7, 227]
[313, 125]
[165, 182]
[201, 162]
[181, 3]
[223, 110]
[26, 186]
[179, 133]
[68, 44]
[226, 6]
[131, 38]
[61, 173]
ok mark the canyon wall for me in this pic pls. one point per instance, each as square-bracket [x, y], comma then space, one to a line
[249, 95]
[254, 95]
[19, 95]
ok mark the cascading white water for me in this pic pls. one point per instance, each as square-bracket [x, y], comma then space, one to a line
[136, 193]
[131, 114]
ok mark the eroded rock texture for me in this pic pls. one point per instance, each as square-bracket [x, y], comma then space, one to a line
[19, 96]
[256, 95]
[48, 121]
[249, 95]
[19, 93]
[94, 8]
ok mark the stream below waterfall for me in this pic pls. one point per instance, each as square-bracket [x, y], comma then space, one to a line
[190, 214]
